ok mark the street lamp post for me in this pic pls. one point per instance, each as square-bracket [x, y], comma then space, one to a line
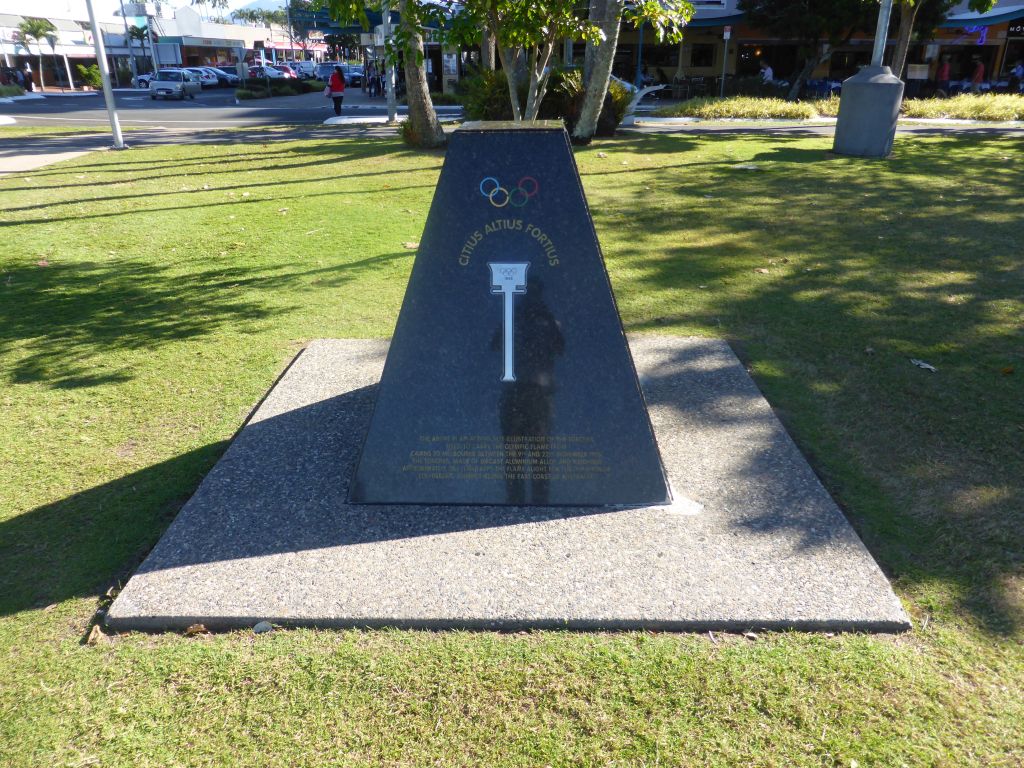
[389, 81]
[870, 102]
[101, 59]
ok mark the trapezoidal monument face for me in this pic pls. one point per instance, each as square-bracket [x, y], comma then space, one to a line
[509, 380]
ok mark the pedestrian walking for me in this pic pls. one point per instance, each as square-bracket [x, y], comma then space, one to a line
[337, 89]
[1017, 77]
[979, 75]
[942, 77]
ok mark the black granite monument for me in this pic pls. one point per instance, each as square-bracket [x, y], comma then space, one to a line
[509, 380]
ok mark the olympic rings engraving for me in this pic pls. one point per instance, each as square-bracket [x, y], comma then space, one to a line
[517, 197]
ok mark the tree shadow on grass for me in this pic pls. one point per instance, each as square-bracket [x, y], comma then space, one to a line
[59, 323]
[871, 264]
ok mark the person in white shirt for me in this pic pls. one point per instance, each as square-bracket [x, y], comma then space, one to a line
[1017, 77]
[767, 74]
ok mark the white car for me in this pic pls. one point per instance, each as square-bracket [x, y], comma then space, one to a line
[206, 78]
[265, 71]
[174, 84]
[304, 69]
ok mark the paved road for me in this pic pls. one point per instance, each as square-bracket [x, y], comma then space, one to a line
[197, 120]
[211, 109]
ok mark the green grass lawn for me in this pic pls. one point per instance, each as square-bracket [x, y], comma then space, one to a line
[149, 298]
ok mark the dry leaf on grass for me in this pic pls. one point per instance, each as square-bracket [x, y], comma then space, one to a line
[95, 635]
[924, 365]
[410, 246]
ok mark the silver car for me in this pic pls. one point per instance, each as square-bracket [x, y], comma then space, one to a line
[174, 84]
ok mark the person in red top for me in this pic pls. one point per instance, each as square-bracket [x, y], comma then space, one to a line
[942, 76]
[979, 75]
[337, 88]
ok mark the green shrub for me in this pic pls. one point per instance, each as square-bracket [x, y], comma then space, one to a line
[620, 98]
[90, 75]
[487, 96]
[248, 93]
[278, 87]
[11, 90]
[967, 106]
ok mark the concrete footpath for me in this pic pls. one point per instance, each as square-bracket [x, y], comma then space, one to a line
[29, 153]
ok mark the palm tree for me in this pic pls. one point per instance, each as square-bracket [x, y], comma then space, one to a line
[218, 7]
[37, 30]
[140, 34]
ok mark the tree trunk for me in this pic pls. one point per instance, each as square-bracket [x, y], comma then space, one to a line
[487, 43]
[908, 13]
[423, 128]
[595, 14]
[598, 68]
[810, 65]
[510, 64]
[538, 63]
[42, 85]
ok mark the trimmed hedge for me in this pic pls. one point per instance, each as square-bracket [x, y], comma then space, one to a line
[740, 107]
[257, 88]
[11, 90]
[967, 106]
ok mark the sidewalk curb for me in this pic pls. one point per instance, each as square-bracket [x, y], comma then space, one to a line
[26, 97]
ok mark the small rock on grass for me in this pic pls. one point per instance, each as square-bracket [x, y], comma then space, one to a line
[263, 627]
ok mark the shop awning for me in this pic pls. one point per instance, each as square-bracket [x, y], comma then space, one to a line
[998, 15]
[715, 21]
[201, 42]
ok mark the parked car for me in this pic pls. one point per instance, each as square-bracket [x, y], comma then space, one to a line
[353, 74]
[286, 71]
[206, 78]
[325, 68]
[225, 78]
[304, 69]
[265, 71]
[174, 83]
[142, 81]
